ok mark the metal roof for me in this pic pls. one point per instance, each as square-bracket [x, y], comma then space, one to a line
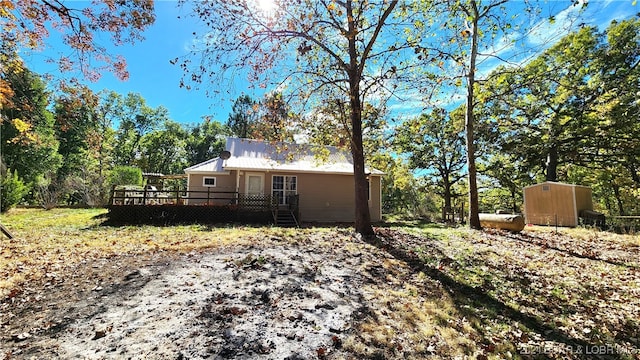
[247, 154]
[162, 176]
[209, 166]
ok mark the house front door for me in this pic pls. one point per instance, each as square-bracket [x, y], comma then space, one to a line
[254, 184]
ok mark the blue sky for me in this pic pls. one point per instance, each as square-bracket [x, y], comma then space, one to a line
[157, 80]
[150, 72]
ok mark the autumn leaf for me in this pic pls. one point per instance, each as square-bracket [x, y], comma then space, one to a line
[21, 125]
[322, 352]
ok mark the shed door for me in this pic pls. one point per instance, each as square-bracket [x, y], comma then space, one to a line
[255, 184]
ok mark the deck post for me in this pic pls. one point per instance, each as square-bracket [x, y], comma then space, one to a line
[275, 214]
[144, 196]
[112, 194]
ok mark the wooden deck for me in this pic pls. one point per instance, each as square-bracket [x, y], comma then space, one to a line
[135, 206]
[178, 197]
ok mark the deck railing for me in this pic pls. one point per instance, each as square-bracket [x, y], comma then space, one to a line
[171, 206]
[191, 197]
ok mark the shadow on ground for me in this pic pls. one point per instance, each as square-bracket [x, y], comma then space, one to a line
[470, 299]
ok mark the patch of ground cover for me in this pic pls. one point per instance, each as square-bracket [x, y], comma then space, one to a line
[198, 292]
[168, 272]
[537, 291]
[51, 242]
[409, 315]
[271, 293]
[267, 293]
[238, 303]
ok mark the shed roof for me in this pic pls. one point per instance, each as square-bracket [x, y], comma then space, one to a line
[555, 183]
[247, 154]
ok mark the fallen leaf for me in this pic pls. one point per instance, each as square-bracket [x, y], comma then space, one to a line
[99, 334]
[21, 337]
[322, 352]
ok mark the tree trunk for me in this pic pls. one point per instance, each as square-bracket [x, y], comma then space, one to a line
[447, 200]
[552, 164]
[607, 203]
[362, 214]
[616, 191]
[633, 170]
[474, 207]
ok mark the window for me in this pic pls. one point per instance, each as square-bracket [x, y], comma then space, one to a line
[209, 181]
[254, 184]
[283, 187]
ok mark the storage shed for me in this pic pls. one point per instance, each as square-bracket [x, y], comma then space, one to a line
[554, 203]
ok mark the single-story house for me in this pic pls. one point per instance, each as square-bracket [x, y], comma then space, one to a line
[554, 203]
[322, 186]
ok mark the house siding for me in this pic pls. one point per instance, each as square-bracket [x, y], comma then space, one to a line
[326, 198]
[584, 199]
[325, 189]
[329, 197]
[323, 197]
[224, 183]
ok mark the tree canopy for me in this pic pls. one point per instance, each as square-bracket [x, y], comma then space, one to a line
[348, 54]
[28, 25]
[573, 107]
[333, 73]
[434, 142]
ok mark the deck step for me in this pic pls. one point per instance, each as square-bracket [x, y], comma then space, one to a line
[286, 219]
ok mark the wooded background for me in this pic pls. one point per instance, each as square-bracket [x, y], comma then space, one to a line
[569, 114]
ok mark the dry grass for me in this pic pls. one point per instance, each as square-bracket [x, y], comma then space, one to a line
[626, 240]
[430, 291]
[48, 241]
[576, 285]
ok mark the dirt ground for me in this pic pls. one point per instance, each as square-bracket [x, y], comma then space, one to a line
[276, 302]
[331, 295]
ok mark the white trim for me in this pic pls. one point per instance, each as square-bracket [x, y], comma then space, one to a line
[296, 171]
[524, 205]
[205, 178]
[380, 196]
[186, 201]
[208, 173]
[247, 175]
[214, 165]
[284, 185]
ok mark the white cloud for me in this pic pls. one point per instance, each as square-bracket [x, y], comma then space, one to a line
[546, 31]
[601, 14]
[519, 48]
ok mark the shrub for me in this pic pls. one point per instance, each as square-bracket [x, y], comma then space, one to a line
[125, 175]
[48, 191]
[12, 190]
